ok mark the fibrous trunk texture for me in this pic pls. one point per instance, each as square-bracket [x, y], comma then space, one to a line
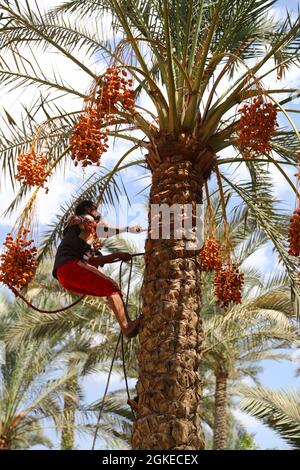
[221, 418]
[69, 412]
[169, 387]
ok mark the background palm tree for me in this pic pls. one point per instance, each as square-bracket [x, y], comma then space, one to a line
[237, 338]
[233, 343]
[29, 395]
[18, 430]
[178, 52]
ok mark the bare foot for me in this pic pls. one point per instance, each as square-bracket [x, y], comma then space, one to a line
[133, 328]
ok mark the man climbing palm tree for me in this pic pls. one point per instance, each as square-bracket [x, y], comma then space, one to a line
[77, 262]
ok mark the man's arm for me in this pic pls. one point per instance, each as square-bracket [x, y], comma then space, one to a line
[106, 259]
[105, 231]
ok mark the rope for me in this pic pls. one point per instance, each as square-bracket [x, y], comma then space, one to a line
[106, 390]
[126, 306]
[121, 337]
[40, 310]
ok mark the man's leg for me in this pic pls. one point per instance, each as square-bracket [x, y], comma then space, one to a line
[83, 278]
[129, 328]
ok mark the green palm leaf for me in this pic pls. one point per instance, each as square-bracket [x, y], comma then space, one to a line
[280, 410]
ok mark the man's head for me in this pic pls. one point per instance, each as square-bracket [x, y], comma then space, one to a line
[87, 207]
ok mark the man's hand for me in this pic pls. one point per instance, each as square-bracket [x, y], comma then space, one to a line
[135, 229]
[123, 256]
[97, 244]
[95, 261]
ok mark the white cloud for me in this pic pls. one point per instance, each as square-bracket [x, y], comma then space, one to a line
[61, 190]
[260, 259]
[46, 4]
[100, 378]
[6, 196]
[94, 384]
[250, 423]
[279, 183]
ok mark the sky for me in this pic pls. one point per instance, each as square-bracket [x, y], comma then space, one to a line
[135, 180]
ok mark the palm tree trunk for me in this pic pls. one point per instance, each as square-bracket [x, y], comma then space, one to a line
[69, 411]
[169, 387]
[221, 412]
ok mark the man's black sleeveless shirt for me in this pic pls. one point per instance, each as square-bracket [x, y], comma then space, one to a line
[71, 247]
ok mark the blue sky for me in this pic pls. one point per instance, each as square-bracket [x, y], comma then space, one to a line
[275, 375]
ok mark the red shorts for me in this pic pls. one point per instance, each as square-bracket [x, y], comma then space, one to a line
[80, 277]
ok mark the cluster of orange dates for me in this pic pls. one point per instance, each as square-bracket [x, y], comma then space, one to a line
[115, 90]
[256, 127]
[32, 169]
[294, 234]
[18, 262]
[88, 141]
[294, 228]
[228, 285]
[228, 280]
[90, 136]
[210, 255]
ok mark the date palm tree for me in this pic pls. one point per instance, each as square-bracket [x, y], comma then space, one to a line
[195, 61]
[235, 342]
[29, 396]
[238, 338]
[16, 432]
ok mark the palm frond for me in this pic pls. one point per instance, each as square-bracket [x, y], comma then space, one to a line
[25, 25]
[280, 410]
[261, 203]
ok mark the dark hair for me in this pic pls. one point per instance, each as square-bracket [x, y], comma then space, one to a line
[83, 206]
